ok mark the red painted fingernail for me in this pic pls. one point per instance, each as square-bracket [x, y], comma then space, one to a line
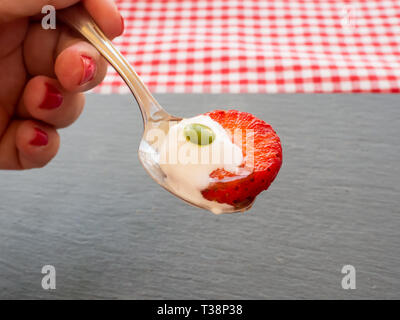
[122, 24]
[41, 138]
[89, 69]
[52, 98]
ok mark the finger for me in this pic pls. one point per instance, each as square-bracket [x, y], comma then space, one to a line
[12, 79]
[36, 143]
[60, 53]
[79, 66]
[28, 144]
[40, 49]
[11, 35]
[44, 99]
[106, 15]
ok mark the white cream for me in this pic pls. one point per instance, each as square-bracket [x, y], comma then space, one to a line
[188, 166]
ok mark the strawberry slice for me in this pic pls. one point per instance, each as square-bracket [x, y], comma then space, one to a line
[262, 159]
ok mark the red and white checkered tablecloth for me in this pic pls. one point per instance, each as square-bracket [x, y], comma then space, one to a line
[261, 45]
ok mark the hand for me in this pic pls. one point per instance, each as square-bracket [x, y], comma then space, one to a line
[42, 76]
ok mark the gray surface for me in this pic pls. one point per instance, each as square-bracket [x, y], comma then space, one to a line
[111, 232]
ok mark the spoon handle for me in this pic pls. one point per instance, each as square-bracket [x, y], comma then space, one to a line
[79, 19]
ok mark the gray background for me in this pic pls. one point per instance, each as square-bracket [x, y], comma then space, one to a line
[111, 232]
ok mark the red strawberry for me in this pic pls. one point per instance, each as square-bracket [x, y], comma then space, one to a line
[263, 160]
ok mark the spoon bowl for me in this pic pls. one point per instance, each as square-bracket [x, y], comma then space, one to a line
[155, 118]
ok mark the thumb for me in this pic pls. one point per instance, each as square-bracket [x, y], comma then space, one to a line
[12, 9]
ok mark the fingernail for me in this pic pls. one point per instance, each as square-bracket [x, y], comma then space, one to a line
[52, 98]
[89, 69]
[41, 138]
[122, 24]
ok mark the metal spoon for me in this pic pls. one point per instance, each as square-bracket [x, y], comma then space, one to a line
[154, 116]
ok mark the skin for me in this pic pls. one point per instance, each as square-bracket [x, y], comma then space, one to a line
[30, 58]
